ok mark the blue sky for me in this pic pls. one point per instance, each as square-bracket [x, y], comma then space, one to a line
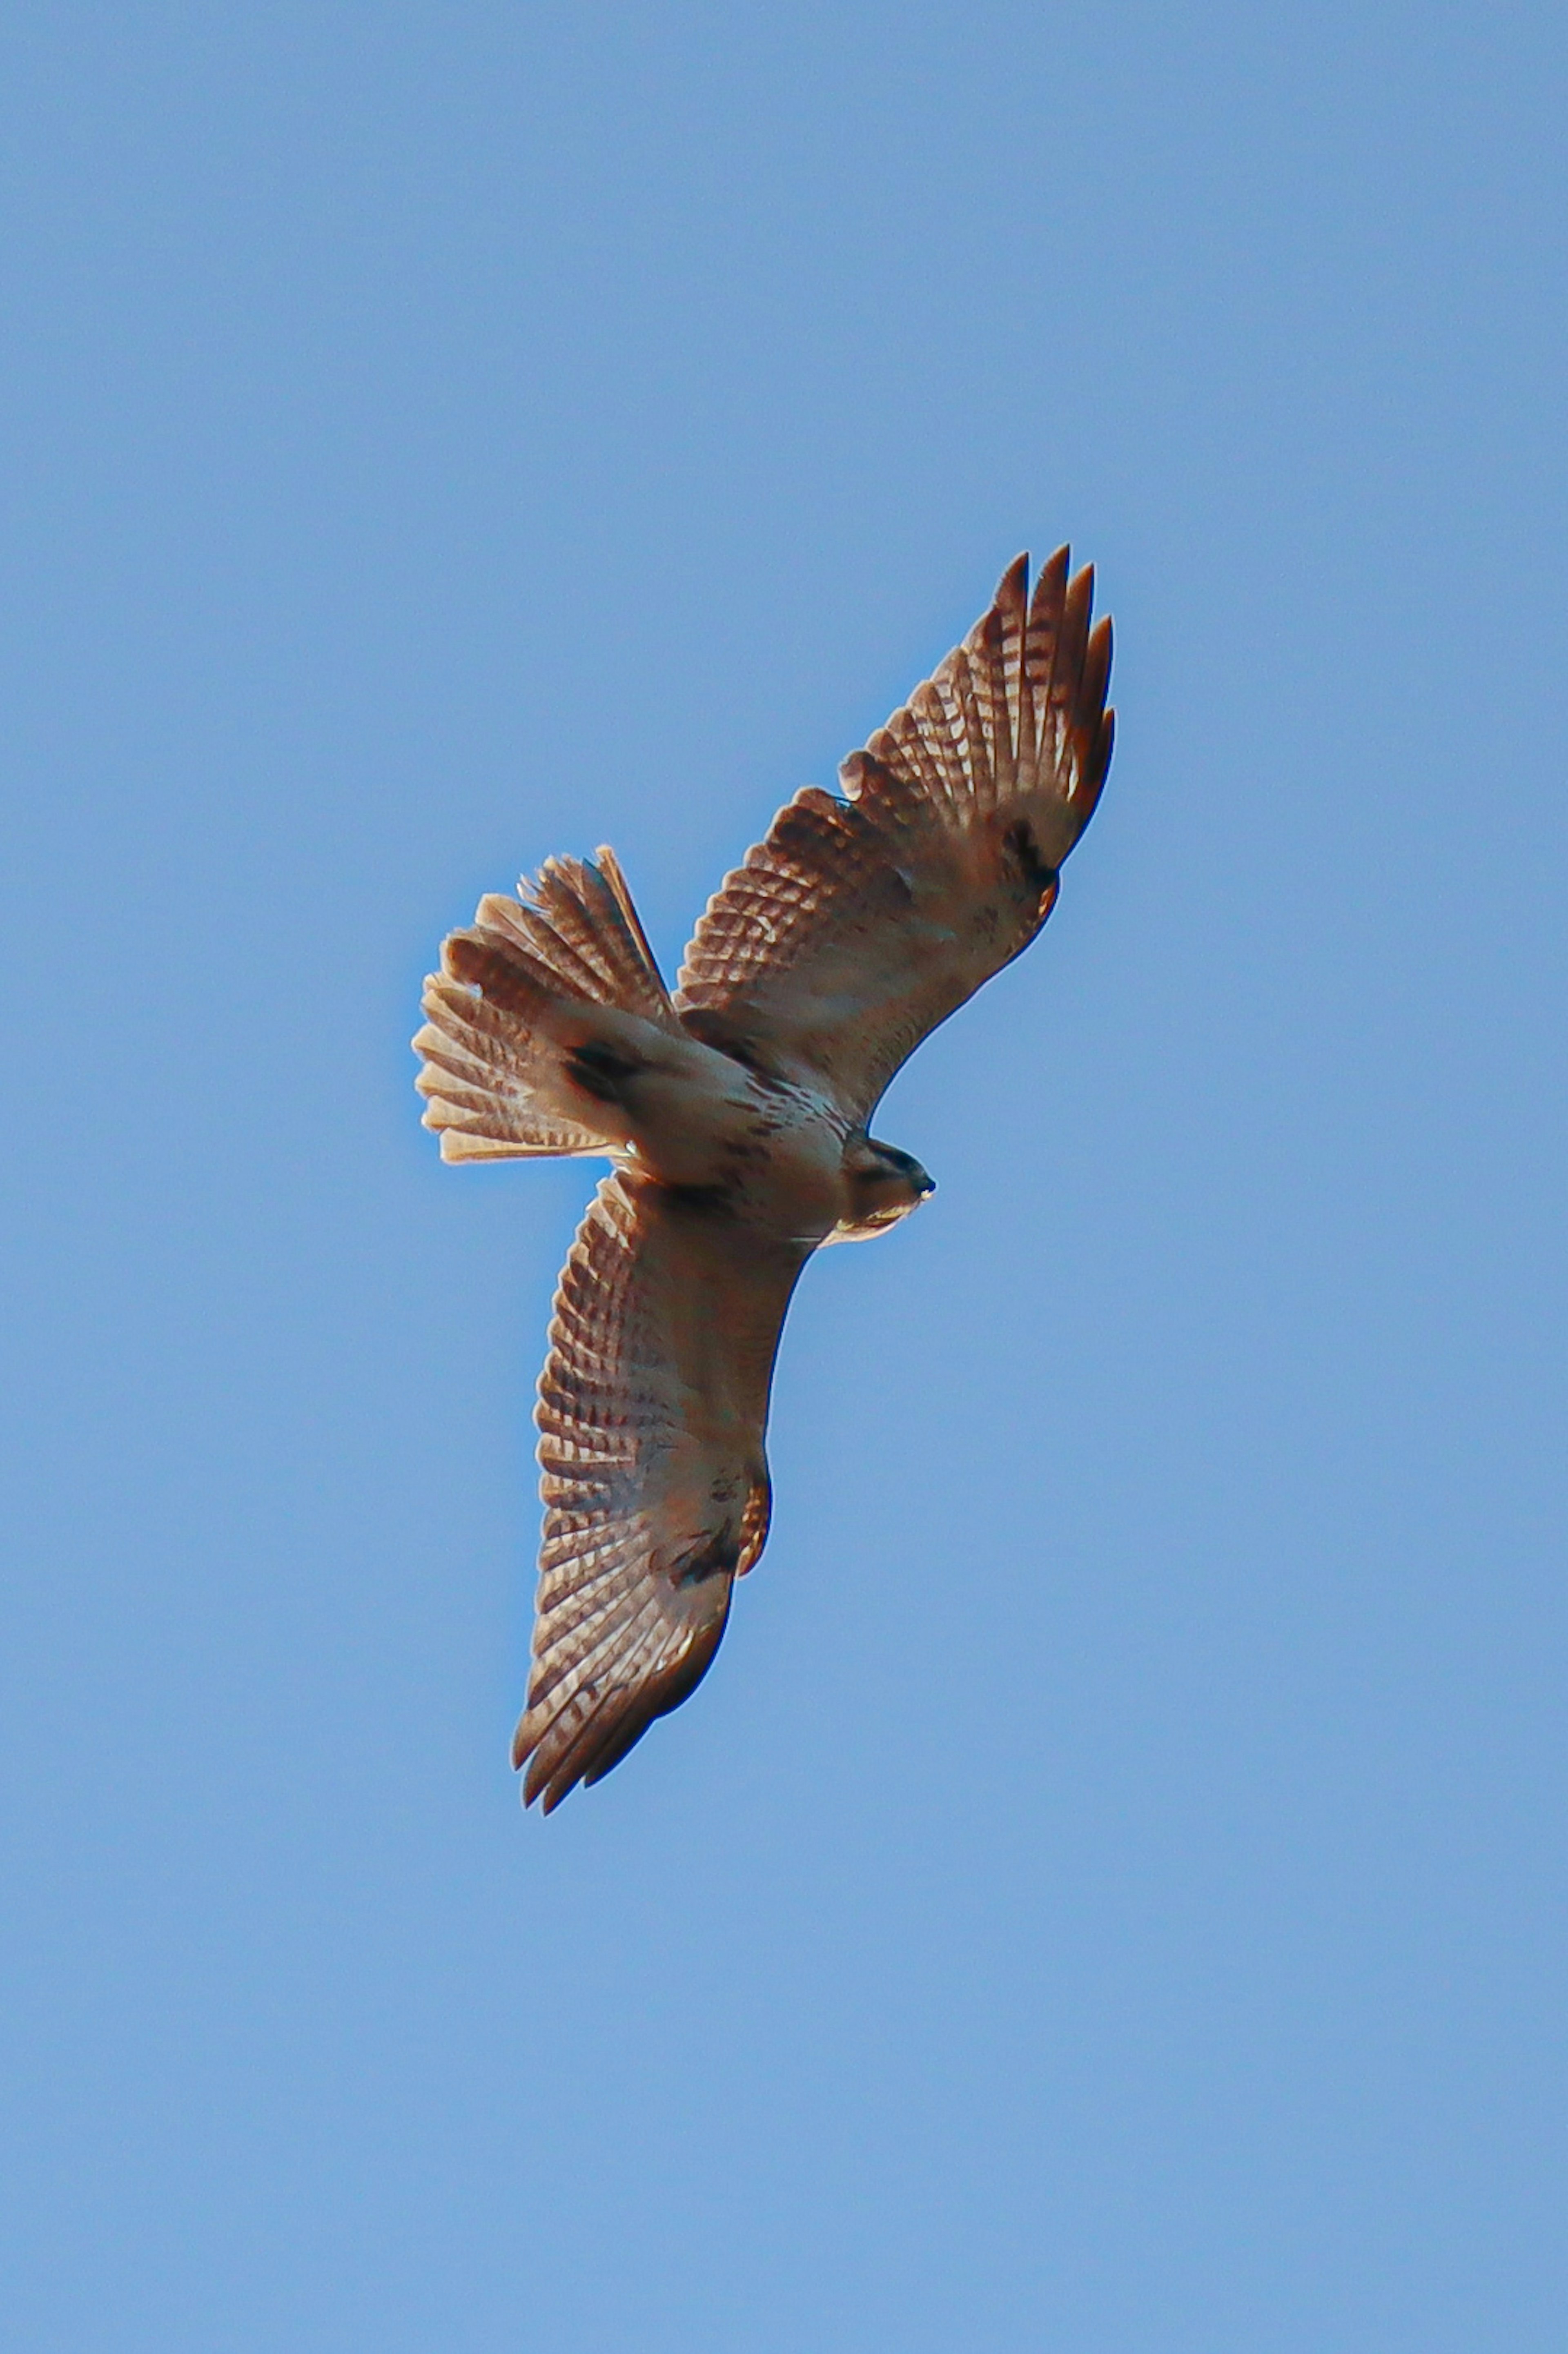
[1109, 1893]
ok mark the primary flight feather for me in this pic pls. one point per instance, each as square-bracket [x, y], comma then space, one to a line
[737, 1114]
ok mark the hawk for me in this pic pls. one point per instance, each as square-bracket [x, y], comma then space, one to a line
[735, 1114]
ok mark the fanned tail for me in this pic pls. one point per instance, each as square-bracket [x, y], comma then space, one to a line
[539, 1006]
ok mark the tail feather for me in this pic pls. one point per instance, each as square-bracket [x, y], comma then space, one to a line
[480, 1081]
[515, 995]
[578, 924]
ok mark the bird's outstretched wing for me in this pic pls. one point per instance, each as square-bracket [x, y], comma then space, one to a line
[653, 1413]
[860, 924]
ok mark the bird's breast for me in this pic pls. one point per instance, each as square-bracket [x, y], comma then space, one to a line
[782, 1166]
[746, 1146]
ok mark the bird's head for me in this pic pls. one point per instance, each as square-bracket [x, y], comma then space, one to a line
[884, 1184]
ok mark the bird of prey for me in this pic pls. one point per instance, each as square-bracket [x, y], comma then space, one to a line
[735, 1114]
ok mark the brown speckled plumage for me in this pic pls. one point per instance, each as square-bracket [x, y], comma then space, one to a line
[736, 1114]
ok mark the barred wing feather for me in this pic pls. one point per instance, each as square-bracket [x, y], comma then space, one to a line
[652, 1414]
[862, 923]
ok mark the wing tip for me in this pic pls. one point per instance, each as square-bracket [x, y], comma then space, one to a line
[596, 1747]
[1012, 589]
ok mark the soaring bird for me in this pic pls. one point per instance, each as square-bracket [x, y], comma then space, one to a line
[736, 1114]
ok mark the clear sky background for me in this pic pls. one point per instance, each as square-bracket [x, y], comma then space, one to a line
[1108, 1896]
